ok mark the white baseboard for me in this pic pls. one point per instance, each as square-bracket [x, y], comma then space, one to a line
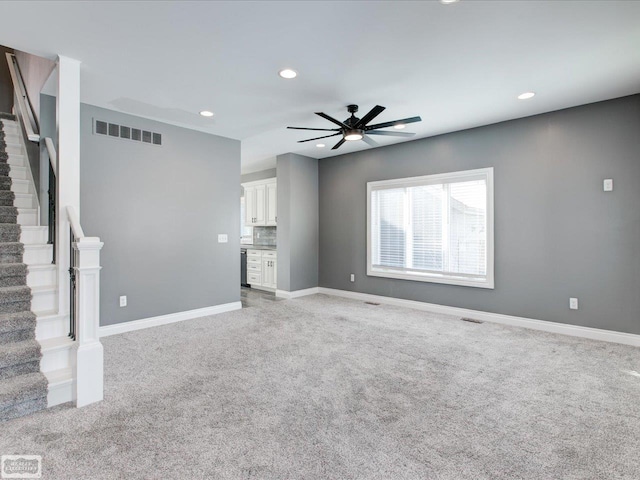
[165, 319]
[61, 387]
[542, 325]
[297, 293]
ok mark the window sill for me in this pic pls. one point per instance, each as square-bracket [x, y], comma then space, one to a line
[431, 278]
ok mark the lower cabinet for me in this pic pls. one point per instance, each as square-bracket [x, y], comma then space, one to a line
[269, 270]
[262, 269]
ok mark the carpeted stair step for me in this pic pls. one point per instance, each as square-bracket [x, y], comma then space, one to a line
[5, 183]
[17, 327]
[13, 274]
[11, 252]
[23, 388]
[9, 232]
[19, 358]
[8, 214]
[6, 196]
[22, 395]
[15, 299]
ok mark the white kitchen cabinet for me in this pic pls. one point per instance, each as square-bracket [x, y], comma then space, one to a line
[269, 272]
[261, 199]
[262, 270]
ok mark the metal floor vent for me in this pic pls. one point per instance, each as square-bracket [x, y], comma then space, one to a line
[128, 133]
[471, 320]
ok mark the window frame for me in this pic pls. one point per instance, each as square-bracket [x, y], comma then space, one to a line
[421, 276]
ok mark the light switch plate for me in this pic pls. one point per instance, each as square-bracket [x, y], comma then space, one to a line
[608, 185]
[223, 238]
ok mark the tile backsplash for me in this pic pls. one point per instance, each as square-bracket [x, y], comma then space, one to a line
[264, 236]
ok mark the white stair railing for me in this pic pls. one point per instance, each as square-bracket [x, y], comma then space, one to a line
[85, 268]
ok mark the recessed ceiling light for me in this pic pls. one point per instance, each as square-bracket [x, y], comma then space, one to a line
[526, 95]
[206, 113]
[288, 73]
[447, 2]
[400, 126]
[320, 145]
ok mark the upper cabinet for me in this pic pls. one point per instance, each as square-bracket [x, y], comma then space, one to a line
[260, 198]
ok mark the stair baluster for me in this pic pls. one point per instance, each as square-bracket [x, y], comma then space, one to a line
[52, 211]
[72, 285]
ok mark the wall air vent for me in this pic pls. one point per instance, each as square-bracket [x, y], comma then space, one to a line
[101, 127]
[126, 133]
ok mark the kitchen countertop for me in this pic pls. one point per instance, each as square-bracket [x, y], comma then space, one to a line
[259, 247]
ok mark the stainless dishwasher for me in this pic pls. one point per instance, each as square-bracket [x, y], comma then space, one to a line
[243, 267]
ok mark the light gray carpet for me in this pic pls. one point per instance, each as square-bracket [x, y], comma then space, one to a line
[327, 388]
[23, 389]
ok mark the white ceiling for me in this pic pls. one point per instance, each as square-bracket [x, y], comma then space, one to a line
[458, 66]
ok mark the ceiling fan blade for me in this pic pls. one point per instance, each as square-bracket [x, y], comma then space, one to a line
[337, 145]
[370, 141]
[375, 111]
[404, 121]
[318, 138]
[321, 129]
[333, 120]
[390, 134]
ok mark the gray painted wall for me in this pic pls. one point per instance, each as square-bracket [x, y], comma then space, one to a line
[261, 175]
[557, 234]
[47, 129]
[35, 73]
[159, 211]
[298, 222]
[6, 86]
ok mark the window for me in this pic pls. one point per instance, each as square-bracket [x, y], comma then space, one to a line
[437, 228]
[246, 233]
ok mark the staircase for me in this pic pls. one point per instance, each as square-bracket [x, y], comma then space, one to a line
[35, 350]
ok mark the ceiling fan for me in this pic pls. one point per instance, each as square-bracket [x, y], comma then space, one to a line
[354, 128]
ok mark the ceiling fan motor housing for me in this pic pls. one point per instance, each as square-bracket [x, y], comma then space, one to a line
[352, 120]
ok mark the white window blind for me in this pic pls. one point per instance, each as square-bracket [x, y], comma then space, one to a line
[436, 228]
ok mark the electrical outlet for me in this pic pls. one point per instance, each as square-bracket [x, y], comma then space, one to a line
[353, 277]
[607, 185]
[123, 301]
[573, 303]
[223, 238]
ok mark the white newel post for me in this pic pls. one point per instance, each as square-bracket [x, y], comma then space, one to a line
[88, 369]
[68, 168]
[88, 359]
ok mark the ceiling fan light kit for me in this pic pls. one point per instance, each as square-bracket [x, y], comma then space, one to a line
[355, 134]
[354, 128]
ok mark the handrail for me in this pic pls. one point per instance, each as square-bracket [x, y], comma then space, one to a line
[72, 215]
[25, 92]
[53, 155]
[21, 94]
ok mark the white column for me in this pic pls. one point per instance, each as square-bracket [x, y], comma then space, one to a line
[68, 167]
[88, 369]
